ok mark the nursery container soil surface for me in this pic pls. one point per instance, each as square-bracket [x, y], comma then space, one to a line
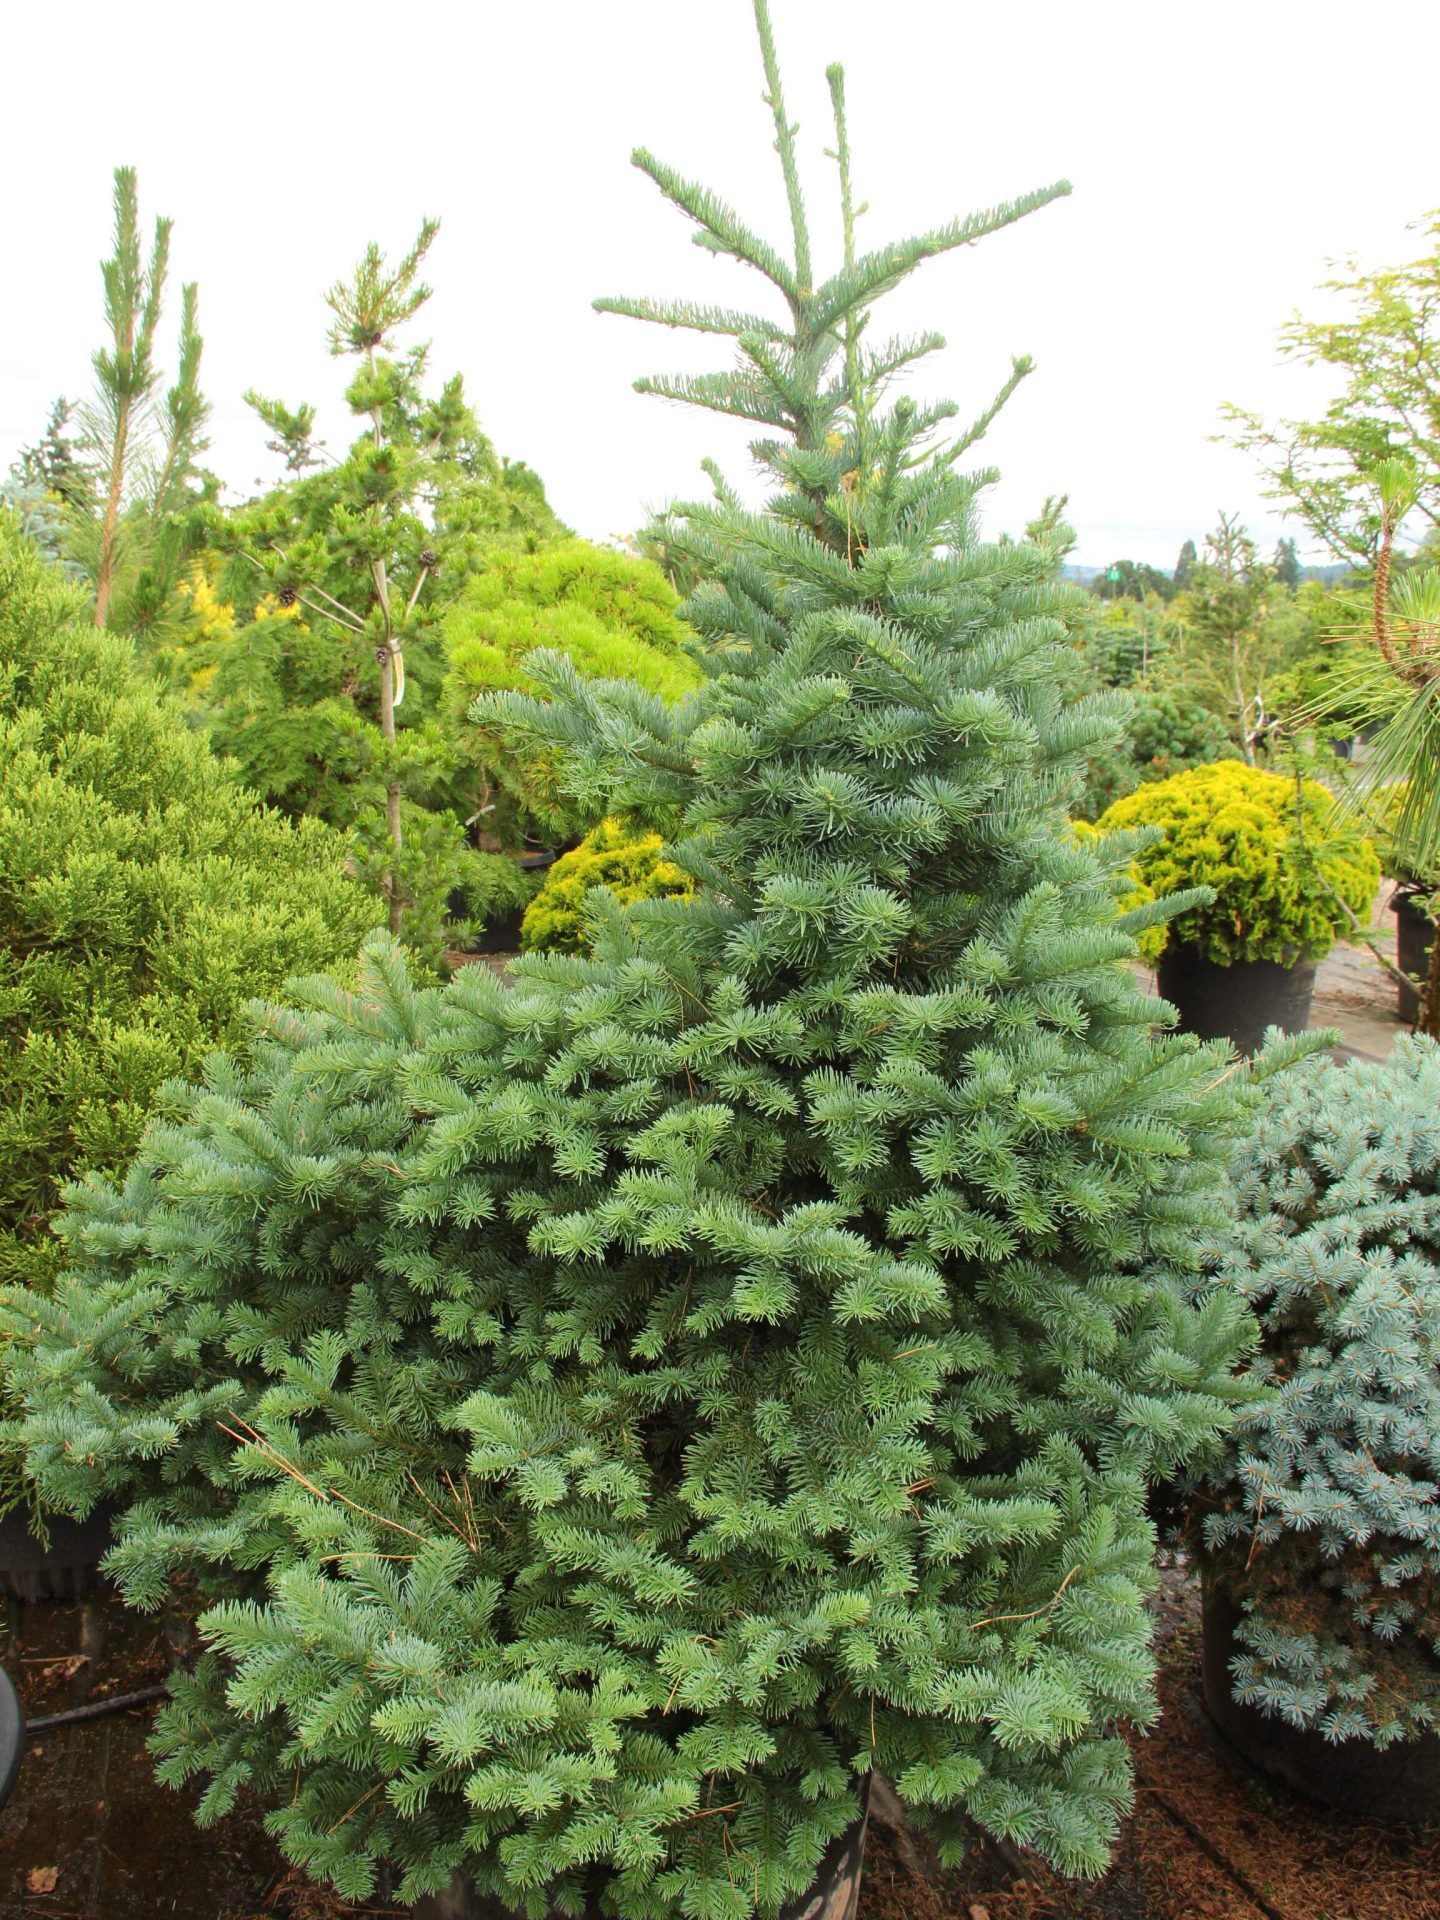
[1235, 1003]
[86, 1810]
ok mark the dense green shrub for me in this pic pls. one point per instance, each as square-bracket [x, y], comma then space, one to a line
[1283, 868]
[1167, 732]
[613, 614]
[1323, 1516]
[625, 861]
[144, 898]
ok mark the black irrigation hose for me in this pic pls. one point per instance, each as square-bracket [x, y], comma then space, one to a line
[117, 1703]
[1211, 1852]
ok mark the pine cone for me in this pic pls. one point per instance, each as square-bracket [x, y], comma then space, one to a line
[287, 596]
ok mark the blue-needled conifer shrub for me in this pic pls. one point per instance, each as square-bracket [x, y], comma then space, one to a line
[1323, 1515]
[611, 1412]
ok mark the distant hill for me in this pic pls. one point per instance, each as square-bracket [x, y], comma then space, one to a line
[1082, 574]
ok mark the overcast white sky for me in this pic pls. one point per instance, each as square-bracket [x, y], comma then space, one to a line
[1220, 153]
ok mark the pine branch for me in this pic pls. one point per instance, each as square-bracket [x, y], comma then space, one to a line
[721, 229]
[785, 147]
[698, 319]
[880, 272]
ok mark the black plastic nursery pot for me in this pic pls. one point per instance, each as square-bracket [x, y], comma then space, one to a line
[1399, 1782]
[1414, 936]
[834, 1894]
[1235, 1003]
[65, 1569]
[12, 1736]
[501, 932]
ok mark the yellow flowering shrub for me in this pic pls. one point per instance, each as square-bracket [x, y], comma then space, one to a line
[626, 862]
[1283, 865]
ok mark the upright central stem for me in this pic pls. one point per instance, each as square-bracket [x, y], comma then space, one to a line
[105, 575]
[387, 700]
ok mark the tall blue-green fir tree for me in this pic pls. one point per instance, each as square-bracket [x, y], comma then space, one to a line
[612, 1411]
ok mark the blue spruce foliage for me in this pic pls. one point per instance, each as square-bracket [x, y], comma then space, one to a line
[1323, 1514]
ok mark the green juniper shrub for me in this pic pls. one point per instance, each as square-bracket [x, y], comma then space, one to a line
[144, 899]
[1285, 875]
[1322, 1516]
[627, 862]
[610, 1413]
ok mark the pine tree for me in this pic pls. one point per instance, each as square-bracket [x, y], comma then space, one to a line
[53, 464]
[1286, 565]
[145, 444]
[312, 705]
[1185, 566]
[613, 1411]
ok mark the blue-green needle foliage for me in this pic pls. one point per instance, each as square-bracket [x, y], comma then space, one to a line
[619, 1408]
[1324, 1512]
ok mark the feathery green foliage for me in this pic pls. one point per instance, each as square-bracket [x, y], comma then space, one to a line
[614, 1411]
[1323, 1514]
[143, 439]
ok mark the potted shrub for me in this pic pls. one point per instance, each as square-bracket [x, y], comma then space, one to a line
[1321, 1520]
[1412, 905]
[1284, 879]
[1412, 901]
[614, 1412]
[12, 1737]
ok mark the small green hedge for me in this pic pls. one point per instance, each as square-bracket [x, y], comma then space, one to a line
[144, 899]
[1283, 865]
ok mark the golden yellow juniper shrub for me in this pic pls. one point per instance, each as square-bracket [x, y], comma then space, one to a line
[625, 861]
[1283, 865]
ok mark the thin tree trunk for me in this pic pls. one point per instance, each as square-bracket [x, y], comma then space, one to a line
[105, 575]
[387, 699]
[392, 792]
[1242, 706]
[387, 731]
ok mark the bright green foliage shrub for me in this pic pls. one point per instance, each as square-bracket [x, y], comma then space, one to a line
[614, 1411]
[613, 614]
[144, 898]
[1324, 1512]
[625, 861]
[1279, 862]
